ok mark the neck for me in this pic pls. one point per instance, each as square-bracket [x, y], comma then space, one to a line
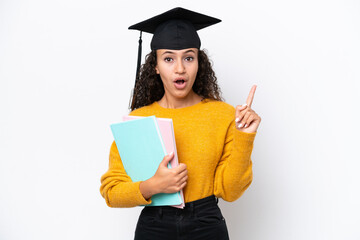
[171, 102]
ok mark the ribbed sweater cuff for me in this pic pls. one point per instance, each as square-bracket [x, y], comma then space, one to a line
[140, 200]
[244, 141]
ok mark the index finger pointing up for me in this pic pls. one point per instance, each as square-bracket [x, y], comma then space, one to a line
[251, 96]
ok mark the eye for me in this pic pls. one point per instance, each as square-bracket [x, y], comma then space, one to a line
[168, 59]
[189, 59]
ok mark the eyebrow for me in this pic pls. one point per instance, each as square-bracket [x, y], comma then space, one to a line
[170, 52]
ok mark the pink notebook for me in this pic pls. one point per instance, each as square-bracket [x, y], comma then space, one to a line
[167, 132]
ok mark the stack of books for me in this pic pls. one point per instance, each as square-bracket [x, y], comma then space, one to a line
[142, 143]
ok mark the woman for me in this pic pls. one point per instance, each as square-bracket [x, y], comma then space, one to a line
[214, 140]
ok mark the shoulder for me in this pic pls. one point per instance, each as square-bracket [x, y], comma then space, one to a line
[219, 107]
[218, 112]
[143, 111]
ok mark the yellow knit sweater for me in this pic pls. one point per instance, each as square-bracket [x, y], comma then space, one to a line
[216, 154]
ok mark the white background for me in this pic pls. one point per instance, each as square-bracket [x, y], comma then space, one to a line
[66, 72]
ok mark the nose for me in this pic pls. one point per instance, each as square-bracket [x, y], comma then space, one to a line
[180, 68]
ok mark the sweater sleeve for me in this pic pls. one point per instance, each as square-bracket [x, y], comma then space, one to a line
[233, 174]
[117, 187]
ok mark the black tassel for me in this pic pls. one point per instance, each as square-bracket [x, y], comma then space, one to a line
[139, 58]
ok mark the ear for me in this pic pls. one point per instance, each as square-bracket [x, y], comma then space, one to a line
[157, 70]
[157, 67]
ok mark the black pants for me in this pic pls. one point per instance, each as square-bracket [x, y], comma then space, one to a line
[199, 220]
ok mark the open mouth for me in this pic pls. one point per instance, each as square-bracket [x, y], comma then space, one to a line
[180, 81]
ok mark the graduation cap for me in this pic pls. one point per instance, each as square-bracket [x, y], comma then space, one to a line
[174, 29]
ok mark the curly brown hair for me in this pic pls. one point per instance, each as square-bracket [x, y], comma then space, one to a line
[149, 87]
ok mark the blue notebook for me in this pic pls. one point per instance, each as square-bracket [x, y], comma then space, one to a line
[141, 149]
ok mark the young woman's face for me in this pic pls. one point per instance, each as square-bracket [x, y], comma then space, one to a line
[177, 69]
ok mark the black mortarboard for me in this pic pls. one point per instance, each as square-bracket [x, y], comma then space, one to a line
[174, 29]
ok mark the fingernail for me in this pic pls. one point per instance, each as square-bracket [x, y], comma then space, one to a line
[237, 119]
[240, 125]
[244, 105]
[245, 125]
[171, 153]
